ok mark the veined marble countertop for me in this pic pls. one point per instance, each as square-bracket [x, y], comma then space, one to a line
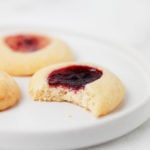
[124, 22]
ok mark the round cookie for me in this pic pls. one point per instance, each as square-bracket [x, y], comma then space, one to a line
[90, 86]
[24, 54]
[9, 91]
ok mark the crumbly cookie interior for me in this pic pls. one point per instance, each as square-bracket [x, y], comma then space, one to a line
[81, 97]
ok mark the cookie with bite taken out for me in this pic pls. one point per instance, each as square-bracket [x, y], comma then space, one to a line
[90, 86]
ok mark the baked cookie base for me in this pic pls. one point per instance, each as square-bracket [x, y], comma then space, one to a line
[100, 97]
[9, 91]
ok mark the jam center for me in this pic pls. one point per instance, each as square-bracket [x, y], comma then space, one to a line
[26, 42]
[74, 77]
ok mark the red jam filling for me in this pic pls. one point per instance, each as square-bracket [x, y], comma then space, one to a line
[74, 77]
[26, 42]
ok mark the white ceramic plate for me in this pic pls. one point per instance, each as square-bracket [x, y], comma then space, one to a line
[41, 125]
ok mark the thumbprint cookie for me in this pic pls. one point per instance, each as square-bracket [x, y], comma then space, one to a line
[90, 86]
[9, 91]
[24, 54]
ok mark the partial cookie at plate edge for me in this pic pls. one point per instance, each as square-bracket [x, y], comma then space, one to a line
[9, 91]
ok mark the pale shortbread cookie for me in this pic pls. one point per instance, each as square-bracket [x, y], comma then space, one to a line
[100, 96]
[9, 91]
[21, 63]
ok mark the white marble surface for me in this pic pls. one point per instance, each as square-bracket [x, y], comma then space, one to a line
[126, 22]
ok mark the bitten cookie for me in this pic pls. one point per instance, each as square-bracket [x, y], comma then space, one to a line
[92, 87]
[24, 54]
[9, 91]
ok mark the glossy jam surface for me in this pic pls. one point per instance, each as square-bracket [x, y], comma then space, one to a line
[74, 77]
[26, 42]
